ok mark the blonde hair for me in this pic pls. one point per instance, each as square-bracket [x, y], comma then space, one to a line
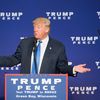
[45, 21]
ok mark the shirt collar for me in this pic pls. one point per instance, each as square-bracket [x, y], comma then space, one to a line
[45, 39]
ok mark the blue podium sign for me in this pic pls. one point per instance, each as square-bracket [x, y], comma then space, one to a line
[37, 87]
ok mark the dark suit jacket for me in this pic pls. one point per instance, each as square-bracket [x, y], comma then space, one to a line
[54, 60]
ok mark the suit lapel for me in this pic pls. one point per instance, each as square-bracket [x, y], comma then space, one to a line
[30, 47]
[29, 53]
[46, 56]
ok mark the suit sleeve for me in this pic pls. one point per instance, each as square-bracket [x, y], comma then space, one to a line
[62, 63]
[8, 61]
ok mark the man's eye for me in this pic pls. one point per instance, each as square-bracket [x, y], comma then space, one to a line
[38, 27]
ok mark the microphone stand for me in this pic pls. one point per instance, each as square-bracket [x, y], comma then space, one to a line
[34, 50]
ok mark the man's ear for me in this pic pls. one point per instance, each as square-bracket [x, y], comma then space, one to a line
[47, 29]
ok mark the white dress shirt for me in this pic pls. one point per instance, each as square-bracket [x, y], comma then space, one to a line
[43, 48]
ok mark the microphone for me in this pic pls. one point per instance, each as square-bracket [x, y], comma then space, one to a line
[34, 43]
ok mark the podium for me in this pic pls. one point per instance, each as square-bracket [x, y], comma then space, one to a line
[36, 86]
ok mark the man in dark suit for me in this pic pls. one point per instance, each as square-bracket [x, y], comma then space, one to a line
[52, 56]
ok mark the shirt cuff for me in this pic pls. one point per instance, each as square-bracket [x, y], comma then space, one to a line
[74, 72]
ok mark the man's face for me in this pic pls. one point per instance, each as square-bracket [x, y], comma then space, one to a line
[40, 31]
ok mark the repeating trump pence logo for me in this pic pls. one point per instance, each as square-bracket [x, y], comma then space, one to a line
[98, 13]
[8, 68]
[60, 15]
[97, 64]
[10, 16]
[84, 39]
[84, 90]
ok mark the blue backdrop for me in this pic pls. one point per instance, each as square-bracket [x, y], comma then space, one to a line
[76, 23]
